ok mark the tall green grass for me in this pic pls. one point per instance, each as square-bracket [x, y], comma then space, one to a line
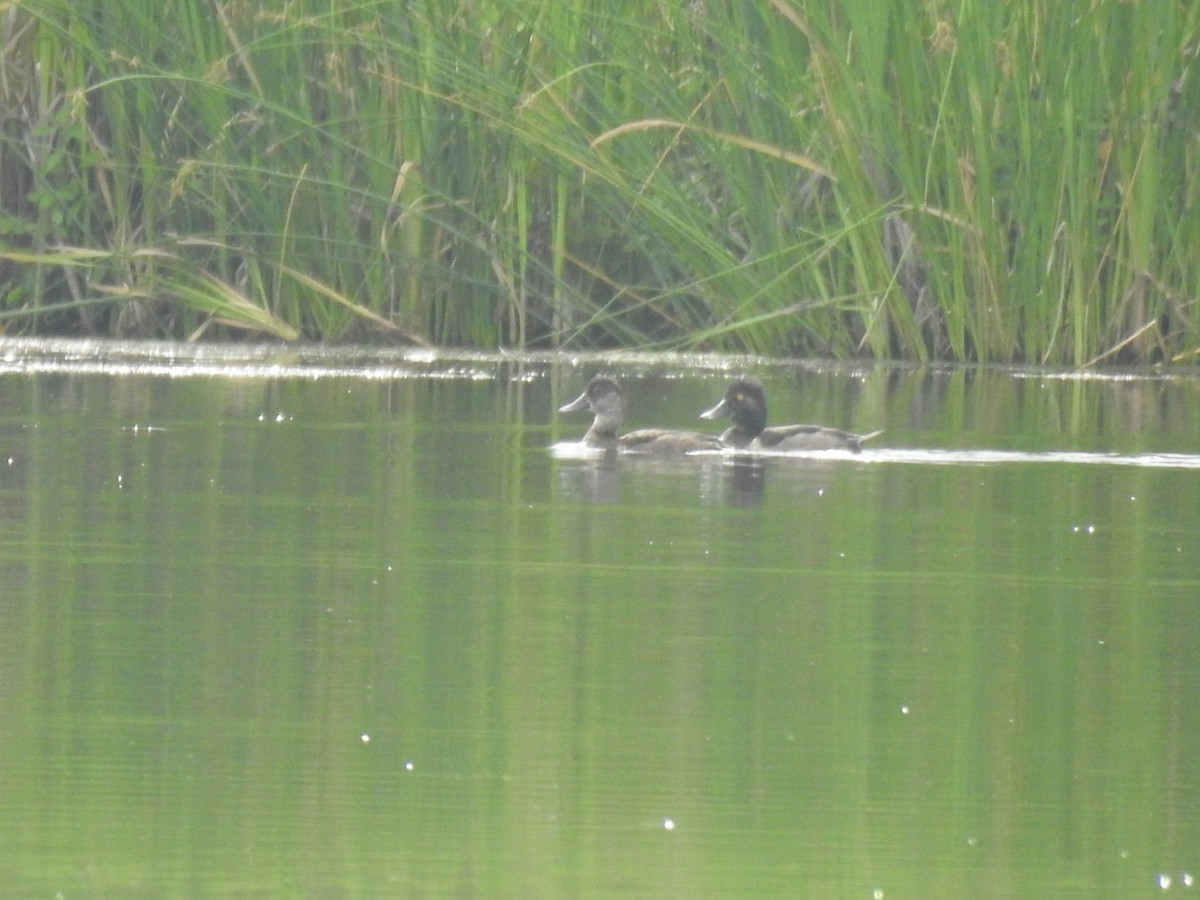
[966, 180]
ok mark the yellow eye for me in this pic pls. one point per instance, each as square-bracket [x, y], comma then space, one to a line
[739, 396]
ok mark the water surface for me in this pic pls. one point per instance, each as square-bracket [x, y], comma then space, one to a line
[291, 622]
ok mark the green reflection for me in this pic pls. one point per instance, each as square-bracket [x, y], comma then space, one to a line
[346, 638]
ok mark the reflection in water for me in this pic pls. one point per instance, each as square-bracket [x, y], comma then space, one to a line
[737, 478]
[293, 628]
[592, 478]
[747, 476]
[993, 457]
[594, 475]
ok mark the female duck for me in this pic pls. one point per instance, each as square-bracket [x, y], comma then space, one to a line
[604, 398]
[745, 403]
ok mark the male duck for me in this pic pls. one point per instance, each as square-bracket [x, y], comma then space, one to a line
[745, 403]
[604, 398]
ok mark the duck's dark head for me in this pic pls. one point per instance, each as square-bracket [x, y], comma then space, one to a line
[604, 398]
[745, 403]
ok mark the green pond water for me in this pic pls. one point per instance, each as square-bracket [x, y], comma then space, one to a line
[283, 623]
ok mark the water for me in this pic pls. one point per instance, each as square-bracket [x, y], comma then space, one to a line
[346, 623]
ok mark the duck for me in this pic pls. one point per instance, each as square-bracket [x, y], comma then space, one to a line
[604, 397]
[745, 402]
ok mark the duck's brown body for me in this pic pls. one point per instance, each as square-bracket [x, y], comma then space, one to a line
[603, 396]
